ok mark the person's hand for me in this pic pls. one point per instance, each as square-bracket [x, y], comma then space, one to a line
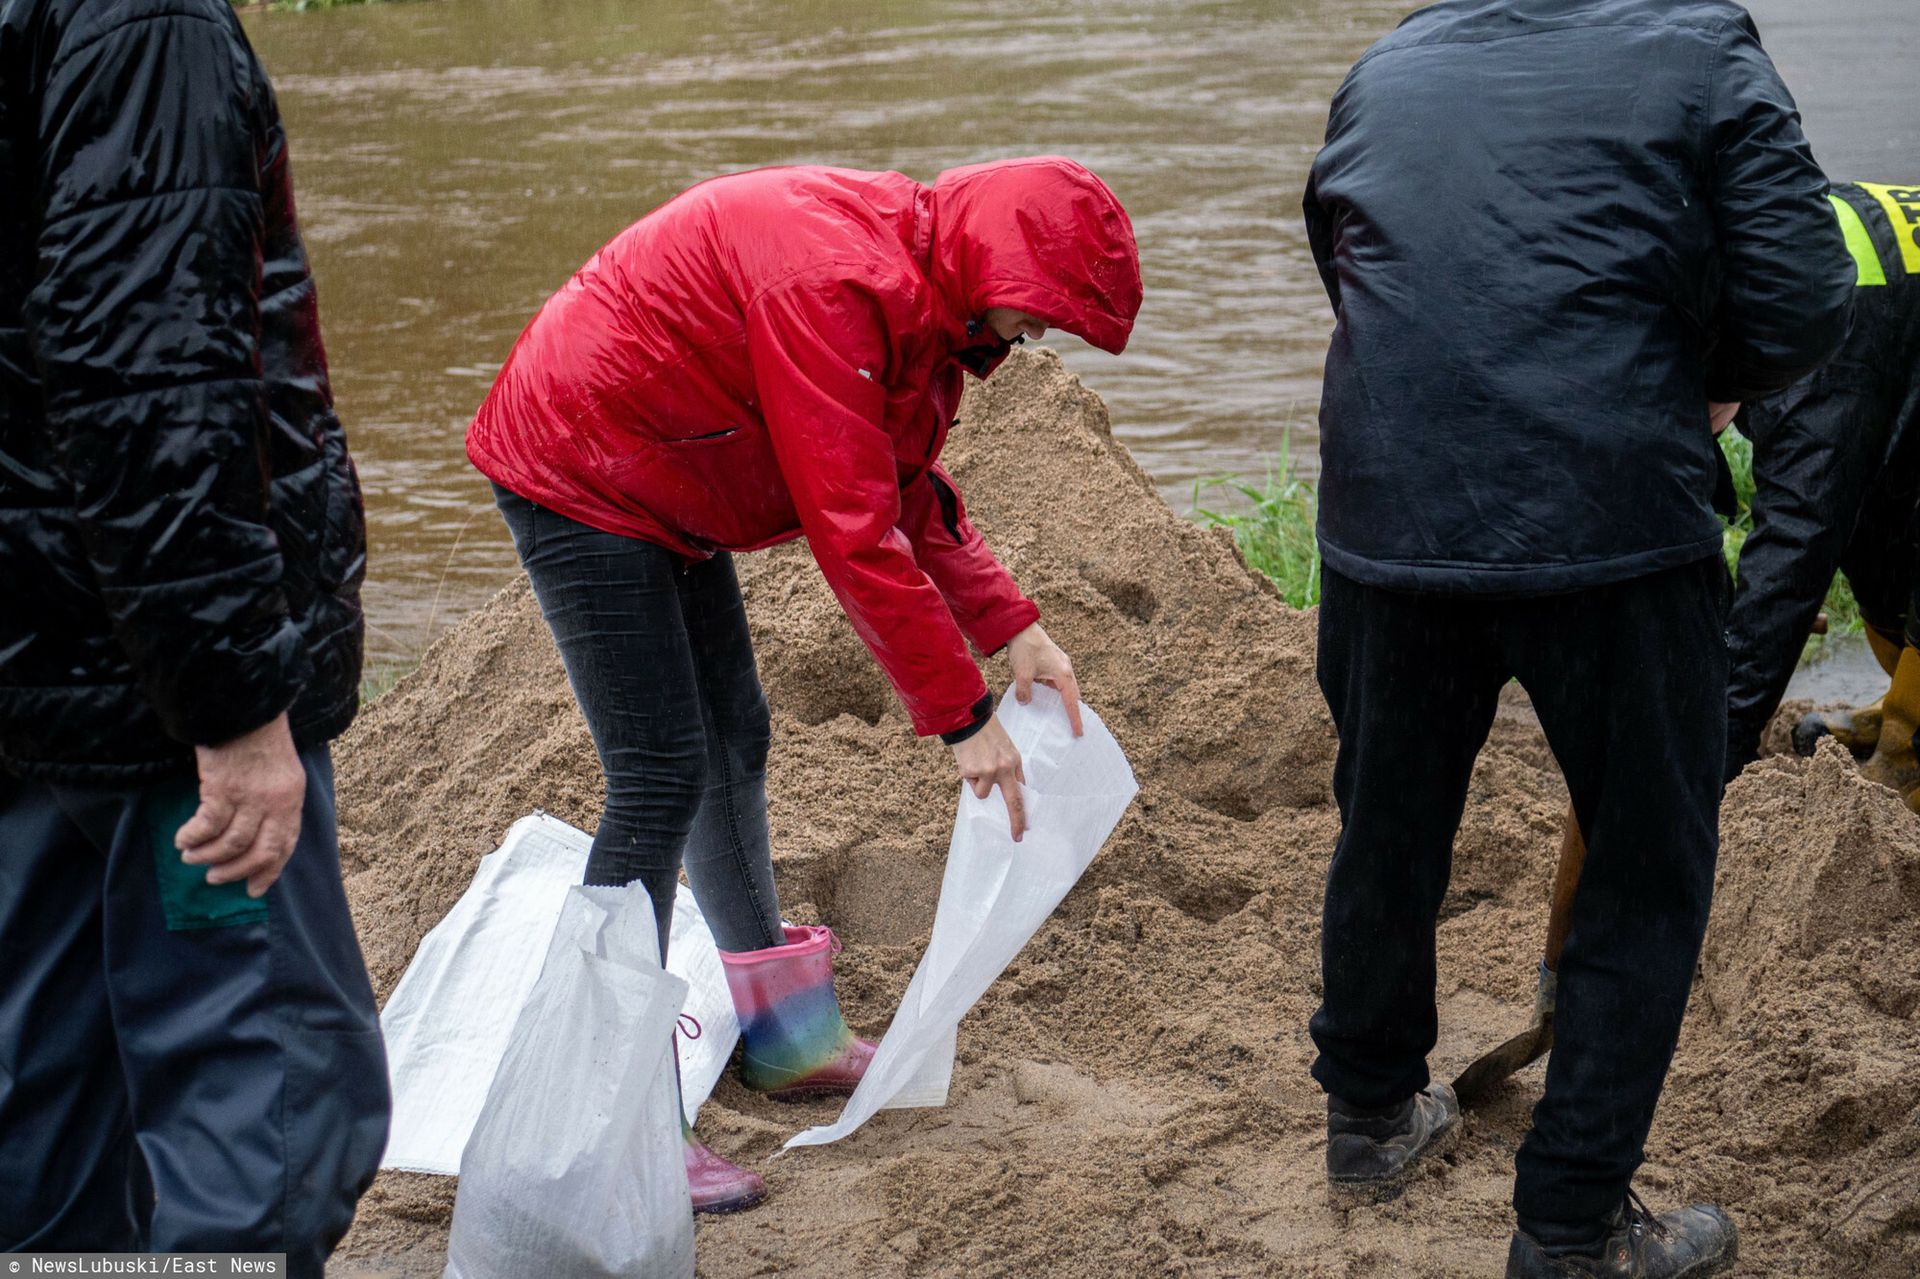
[1722, 414]
[251, 792]
[989, 759]
[1035, 656]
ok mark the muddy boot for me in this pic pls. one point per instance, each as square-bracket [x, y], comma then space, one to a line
[1371, 1153]
[1858, 730]
[716, 1185]
[1688, 1243]
[1893, 762]
[794, 1042]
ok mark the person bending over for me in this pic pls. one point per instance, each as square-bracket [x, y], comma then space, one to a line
[1554, 233]
[769, 355]
[1836, 472]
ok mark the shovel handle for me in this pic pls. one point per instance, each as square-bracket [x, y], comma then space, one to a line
[1566, 881]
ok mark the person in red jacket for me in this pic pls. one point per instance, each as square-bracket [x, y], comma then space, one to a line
[775, 354]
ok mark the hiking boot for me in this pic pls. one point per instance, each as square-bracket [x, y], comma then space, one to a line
[1688, 1243]
[1371, 1153]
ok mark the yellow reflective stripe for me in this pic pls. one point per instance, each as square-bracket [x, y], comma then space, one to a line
[1903, 210]
[1860, 244]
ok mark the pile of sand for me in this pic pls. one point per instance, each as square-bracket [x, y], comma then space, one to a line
[1132, 1097]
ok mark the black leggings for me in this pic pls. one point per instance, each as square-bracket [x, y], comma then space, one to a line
[661, 663]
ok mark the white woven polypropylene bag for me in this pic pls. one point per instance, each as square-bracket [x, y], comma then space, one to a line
[575, 1168]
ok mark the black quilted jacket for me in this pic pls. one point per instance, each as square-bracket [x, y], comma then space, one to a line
[181, 534]
[1552, 231]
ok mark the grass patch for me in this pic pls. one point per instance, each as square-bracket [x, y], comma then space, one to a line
[377, 681]
[1275, 532]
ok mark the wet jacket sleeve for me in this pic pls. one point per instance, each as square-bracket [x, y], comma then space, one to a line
[979, 591]
[1816, 447]
[818, 352]
[144, 324]
[1320, 241]
[1788, 289]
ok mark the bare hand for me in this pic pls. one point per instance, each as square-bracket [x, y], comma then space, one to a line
[251, 792]
[1036, 657]
[1722, 414]
[989, 759]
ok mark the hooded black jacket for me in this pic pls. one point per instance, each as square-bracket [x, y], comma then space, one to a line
[1552, 231]
[181, 535]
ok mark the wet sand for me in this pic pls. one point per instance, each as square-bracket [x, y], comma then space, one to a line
[1132, 1098]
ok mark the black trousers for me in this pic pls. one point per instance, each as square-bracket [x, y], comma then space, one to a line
[661, 662]
[1629, 681]
[182, 1067]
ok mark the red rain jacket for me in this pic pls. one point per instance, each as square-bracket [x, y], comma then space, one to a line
[773, 353]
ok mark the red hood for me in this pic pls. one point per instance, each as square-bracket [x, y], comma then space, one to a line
[1042, 235]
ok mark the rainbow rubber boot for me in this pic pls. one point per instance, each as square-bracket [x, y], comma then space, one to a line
[794, 1042]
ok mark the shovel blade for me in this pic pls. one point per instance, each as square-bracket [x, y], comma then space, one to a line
[1479, 1080]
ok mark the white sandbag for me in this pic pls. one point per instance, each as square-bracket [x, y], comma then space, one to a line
[447, 1022]
[575, 1167]
[706, 1046]
[994, 897]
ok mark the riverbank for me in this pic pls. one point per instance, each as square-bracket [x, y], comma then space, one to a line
[1132, 1098]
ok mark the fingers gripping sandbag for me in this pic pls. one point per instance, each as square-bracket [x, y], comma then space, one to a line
[575, 1167]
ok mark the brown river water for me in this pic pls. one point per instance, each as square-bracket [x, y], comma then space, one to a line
[455, 160]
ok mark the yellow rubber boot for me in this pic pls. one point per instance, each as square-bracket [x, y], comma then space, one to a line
[1886, 647]
[1857, 729]
[1893, 762]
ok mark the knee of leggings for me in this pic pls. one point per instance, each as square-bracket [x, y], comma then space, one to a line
[658, 804]
[748, 738]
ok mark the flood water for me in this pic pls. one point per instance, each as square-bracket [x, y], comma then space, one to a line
[455, 160]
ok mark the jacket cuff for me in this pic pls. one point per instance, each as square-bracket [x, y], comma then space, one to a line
[982, 712]
[232, 688]
[994, 631]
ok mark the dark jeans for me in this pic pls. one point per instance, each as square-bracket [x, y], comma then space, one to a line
[1629, 681]
[660, 660]
[182, 1068]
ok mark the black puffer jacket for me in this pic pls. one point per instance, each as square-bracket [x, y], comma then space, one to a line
[1552, 231]
[181, 536]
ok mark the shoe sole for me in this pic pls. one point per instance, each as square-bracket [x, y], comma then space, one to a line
[1706, 1266]
[808, 1092]
[1365, 1193]
[727, 1207]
